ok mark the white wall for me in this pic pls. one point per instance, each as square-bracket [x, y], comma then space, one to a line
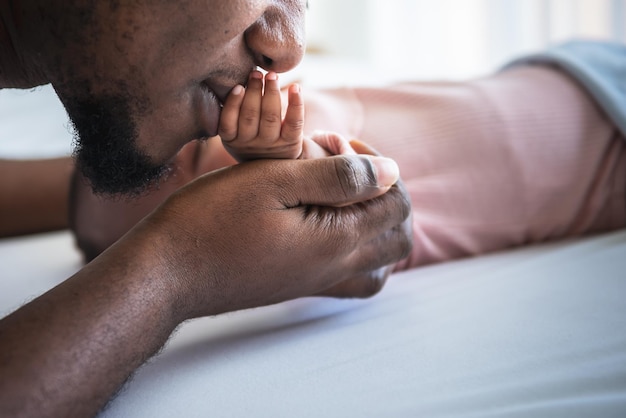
[453, 38]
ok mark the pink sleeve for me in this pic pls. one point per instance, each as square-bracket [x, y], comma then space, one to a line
[522, 157]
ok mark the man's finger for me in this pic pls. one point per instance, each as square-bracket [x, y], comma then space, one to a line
[385, 250]
[337, 181]
[363, 286]
[389, 247]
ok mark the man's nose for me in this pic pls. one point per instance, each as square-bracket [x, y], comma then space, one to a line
[276, 40]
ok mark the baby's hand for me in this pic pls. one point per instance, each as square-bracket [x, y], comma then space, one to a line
[323, 144]
[251, 123]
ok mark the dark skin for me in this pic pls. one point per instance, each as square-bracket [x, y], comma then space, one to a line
[33, 185]
[340, 220]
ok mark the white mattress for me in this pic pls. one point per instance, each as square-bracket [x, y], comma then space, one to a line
[537, 332]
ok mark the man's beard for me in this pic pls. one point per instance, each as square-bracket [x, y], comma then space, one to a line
[105, 147]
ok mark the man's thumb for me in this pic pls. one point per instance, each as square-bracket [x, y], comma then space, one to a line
[340, 180]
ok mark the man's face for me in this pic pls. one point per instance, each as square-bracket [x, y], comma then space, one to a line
[139, 80]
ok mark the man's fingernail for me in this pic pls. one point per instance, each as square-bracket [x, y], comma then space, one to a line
[387, 171]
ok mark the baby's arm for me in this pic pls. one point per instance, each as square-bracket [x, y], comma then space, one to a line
[251, 124]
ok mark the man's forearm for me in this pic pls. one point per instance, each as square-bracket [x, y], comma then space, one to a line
[33, 195]
[66, 352]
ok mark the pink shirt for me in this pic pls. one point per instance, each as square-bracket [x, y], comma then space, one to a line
[521, 157]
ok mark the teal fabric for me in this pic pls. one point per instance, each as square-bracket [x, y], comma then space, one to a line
[600, 67]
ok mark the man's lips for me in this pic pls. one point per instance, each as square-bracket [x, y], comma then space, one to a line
[214, 95]
[209, 108]
[220, 91]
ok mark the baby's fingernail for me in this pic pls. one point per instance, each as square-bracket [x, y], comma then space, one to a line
[387, 171]
[295, 88]
[256, 74]
[271, 76]
[237, 90]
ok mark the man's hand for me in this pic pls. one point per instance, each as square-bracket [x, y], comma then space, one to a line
[269, 231]
[372, 281]
[240, 237]
[98, 223]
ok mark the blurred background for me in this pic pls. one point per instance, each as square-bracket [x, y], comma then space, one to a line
[447, 39]
[369, 42]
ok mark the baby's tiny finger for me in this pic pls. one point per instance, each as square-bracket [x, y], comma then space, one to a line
[251, 107]
[229, 118]
[293, 125]
[271, 109]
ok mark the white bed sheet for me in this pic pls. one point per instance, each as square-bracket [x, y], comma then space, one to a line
[538, 332]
